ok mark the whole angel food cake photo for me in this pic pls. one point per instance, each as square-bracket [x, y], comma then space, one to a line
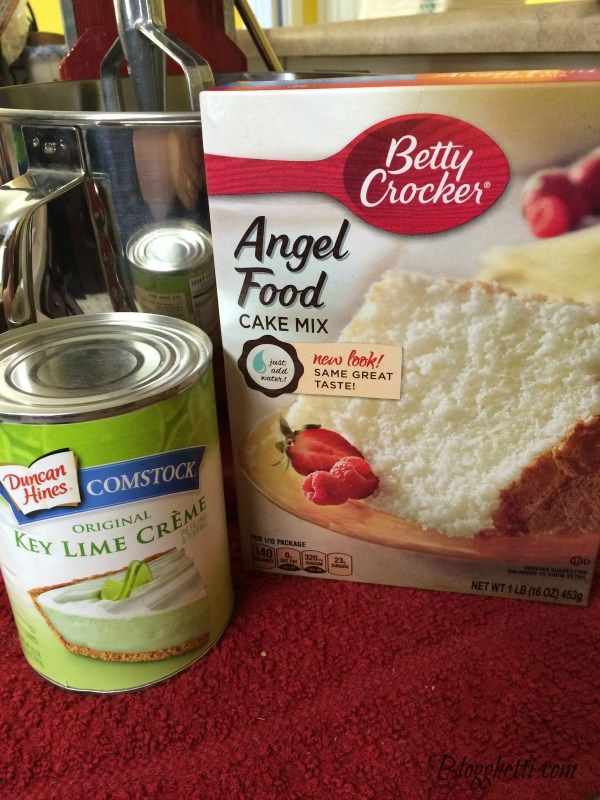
[409, 293]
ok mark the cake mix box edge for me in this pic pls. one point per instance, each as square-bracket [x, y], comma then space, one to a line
[303, 275]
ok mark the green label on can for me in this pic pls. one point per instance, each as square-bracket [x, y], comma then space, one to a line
[188, 296]
[113, 542]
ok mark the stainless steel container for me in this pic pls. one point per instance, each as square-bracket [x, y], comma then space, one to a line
[80, 182]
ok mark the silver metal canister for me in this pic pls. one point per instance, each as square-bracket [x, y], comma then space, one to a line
[79, 181]
[173, 272]
[113, 541]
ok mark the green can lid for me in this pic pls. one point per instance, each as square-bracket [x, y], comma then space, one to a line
[169, 248]
[93, 366]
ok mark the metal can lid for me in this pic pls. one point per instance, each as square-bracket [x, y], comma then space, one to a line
[93, 366]
[170, 247]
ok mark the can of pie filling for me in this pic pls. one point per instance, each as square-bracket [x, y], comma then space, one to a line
[173, 272]
[113, 541]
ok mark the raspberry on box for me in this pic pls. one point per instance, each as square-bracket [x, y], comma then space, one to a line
[325, 489]
[585, 175]
[553, 204]
[357, 476]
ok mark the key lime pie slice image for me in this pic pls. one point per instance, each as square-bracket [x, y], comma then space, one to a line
[150, 610]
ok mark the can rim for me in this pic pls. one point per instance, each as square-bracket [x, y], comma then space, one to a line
[185, 350]
[136, 249]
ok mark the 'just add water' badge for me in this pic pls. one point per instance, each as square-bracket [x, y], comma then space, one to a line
[338, 369]
[52, 485]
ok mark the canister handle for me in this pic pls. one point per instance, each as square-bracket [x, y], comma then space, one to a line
[55, 167]
[197, 73]
[144, 42]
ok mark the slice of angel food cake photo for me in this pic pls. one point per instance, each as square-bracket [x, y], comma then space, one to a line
[497, 429]
[150, 610]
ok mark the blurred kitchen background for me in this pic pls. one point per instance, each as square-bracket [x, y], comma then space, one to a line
[391, 36]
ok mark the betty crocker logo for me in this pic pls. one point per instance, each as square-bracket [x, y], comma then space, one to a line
[424, 174]
[414, 174]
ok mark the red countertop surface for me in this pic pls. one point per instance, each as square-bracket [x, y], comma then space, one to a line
[330, 690]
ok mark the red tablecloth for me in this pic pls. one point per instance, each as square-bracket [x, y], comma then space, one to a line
[329, 690]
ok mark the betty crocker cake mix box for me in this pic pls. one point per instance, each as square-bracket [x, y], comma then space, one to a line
[409, 286]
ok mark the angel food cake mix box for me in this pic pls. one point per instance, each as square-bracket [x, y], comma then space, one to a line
[408, 273]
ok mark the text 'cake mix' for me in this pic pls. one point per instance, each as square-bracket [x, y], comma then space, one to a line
[408, 273]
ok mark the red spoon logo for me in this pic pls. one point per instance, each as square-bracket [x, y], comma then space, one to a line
[423, 174]
[414, 174]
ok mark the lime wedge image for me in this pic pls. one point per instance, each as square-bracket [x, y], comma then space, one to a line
[138, 573]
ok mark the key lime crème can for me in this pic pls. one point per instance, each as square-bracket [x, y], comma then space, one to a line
[113, 540]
